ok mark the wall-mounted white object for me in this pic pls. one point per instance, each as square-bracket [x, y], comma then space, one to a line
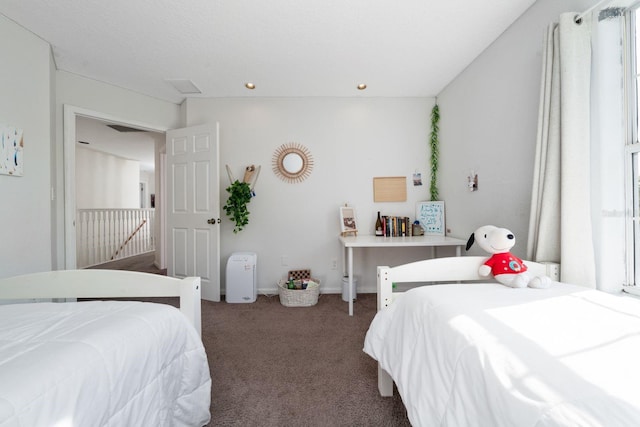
[472, 181]
[417, 179]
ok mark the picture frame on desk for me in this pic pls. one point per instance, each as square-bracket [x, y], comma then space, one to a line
[348, 223]
[431, 216]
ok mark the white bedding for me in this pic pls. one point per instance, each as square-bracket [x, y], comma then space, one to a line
[101, 363]
[489, 355]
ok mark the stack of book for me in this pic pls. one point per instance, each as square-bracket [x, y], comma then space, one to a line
[396, 226]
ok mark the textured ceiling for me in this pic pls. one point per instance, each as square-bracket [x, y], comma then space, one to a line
[288, 48]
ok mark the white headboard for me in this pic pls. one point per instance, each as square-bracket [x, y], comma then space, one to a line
[95, 283]
[447, 269]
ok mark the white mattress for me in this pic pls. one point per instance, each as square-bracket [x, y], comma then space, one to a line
[489, 355]
[99, 363]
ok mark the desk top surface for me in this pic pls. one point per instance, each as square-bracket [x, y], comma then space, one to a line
[370, 241]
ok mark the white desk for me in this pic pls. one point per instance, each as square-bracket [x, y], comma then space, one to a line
[369, 241]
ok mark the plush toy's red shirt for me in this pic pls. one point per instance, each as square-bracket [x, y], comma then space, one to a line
[505, 263]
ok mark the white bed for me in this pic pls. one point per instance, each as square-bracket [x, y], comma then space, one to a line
[483, 354]
[102, 363]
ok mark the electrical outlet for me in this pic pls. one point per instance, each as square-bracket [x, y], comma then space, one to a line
[334, 264]
[284, 260]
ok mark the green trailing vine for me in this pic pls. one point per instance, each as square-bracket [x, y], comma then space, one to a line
[433, 143]
[236, 207]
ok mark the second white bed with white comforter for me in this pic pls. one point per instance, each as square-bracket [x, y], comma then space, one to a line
[489, 355]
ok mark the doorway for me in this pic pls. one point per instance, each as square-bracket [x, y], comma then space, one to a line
[71, 116]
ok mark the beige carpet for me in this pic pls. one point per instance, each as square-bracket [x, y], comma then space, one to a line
[294, 366]
[289, 366]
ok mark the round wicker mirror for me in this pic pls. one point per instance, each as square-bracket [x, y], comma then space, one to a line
[292, 162]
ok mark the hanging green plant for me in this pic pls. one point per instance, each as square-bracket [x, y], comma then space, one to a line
[236, 207]
[433, 143]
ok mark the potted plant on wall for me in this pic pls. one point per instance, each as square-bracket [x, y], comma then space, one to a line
[236, 207]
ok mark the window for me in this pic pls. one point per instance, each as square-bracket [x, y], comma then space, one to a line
[633, 148]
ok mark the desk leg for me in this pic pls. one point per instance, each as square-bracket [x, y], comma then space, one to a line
[350, 282]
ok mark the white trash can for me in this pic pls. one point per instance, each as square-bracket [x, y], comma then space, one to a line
[345, 288]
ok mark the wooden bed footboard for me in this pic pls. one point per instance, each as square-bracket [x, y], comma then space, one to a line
[96, 283]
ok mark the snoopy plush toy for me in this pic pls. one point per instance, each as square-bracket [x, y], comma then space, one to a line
[507, 268]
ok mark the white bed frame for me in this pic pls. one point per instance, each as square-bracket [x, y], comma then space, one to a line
[95, 283]
[438, 270]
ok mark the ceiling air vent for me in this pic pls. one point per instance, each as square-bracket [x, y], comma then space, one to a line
[184, 86]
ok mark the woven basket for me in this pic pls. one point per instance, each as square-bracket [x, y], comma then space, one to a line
[299, 297]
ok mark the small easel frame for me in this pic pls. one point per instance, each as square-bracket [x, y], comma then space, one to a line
[348, 223]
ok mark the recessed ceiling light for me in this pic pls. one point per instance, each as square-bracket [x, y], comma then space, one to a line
[362, 86]
[249, 85]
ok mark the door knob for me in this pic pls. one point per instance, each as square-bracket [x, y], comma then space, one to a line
[211, 221]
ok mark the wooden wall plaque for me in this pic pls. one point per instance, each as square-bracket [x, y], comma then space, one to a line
[390, 189]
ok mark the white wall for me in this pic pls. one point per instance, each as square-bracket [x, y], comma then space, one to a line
[106, 181]
[488, 124]
[351, 140]
[25, 208]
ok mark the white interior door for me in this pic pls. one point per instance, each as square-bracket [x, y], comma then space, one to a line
[193, 206]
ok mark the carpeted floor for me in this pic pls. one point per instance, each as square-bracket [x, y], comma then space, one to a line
[294, 366]
[289, 366]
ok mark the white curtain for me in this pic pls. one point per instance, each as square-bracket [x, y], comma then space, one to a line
[560, 223]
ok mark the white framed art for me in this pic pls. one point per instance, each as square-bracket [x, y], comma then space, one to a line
[431, 217]
[11, 151]
[348, 220]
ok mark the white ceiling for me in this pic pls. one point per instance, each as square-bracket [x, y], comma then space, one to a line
[288, 48]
